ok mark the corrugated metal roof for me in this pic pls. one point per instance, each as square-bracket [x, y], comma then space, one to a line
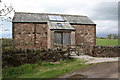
[29, 17]
[43, 17]
[63, 26]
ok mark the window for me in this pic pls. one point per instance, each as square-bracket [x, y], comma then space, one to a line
[59, 24]
[62, 38]
[55, 18]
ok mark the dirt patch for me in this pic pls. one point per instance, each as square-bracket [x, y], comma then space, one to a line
[100, 70]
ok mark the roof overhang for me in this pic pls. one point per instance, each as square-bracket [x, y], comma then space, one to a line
[60, 26]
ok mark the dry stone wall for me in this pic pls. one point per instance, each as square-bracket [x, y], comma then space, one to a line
[14, 58]
[104, 51]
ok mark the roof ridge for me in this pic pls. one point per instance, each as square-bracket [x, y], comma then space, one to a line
[49, 14]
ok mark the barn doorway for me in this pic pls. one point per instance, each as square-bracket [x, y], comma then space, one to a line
[62, 38]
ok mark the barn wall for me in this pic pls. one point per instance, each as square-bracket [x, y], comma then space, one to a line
[85, 33]
[29, 35]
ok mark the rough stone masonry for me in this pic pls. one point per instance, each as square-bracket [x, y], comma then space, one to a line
[104, 51]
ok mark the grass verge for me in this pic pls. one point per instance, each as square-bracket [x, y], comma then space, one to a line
[43, 69]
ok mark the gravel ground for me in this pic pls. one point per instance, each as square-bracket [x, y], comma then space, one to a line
[90, 59]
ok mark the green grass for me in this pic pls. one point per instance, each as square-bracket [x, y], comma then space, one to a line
[107, 42]
[43, 69]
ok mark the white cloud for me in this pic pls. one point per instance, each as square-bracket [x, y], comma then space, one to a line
[107, 26]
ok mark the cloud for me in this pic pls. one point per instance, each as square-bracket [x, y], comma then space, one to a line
[105, 11]
[106, 27]
[102, 12]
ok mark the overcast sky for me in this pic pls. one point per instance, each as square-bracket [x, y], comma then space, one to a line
[103, 12]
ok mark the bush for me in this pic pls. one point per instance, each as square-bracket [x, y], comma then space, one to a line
[7, 44]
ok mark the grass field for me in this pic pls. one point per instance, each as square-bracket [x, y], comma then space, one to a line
[43, 69]
[107, 42]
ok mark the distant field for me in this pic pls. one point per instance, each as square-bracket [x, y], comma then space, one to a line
[107, 42]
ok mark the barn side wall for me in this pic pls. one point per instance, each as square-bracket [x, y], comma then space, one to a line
[85, 33]
[29, 35]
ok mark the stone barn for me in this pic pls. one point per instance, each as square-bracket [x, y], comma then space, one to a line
[42, 30]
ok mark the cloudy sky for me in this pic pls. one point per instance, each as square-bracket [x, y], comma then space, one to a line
[103, 12]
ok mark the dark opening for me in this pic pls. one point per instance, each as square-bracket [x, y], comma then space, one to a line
[62, 38]
[59, 24]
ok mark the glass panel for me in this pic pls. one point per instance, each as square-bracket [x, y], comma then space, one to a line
[59, 18]
[55, 18]
[51, 17]
[58, 38]
[66, 38]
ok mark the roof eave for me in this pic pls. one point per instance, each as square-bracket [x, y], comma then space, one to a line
[82, 24]
[29, 22]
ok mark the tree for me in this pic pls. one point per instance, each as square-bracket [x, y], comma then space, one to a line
[109, 36]
[4, 15]
[5, 10]
[112, 36]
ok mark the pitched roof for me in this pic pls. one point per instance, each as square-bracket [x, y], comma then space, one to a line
[44, 17]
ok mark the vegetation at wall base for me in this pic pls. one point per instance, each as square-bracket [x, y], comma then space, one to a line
[43, 69]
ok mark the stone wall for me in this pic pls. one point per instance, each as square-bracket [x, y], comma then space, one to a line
[104, 51]
[14, 58]
[29, 35]
[85, 33]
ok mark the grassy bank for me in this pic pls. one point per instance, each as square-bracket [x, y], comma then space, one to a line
[107, 42]
[43, 69]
